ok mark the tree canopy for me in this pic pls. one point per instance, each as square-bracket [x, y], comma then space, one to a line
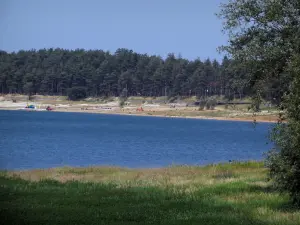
[54, 71]
[264, 39]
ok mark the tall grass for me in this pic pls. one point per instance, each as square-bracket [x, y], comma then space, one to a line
[236, 193]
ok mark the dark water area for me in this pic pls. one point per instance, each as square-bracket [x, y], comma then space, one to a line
[52, 139]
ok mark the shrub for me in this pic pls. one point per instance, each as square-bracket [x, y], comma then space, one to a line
[213, 103]
[172, 99]
[124, 93]
[76, 93]
[122, 102]
[202, 104]
[284, 160]
[28, 88]
[31, 97]
[256, 101]
[123, 97]
[208, 105]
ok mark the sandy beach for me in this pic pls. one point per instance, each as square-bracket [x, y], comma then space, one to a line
[135, 108]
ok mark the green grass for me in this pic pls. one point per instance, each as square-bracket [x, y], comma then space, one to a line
[237, 193]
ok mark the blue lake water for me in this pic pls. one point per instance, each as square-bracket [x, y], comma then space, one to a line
[51, 139]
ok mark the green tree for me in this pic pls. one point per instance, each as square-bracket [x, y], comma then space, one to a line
[123, 97]
[264, 36]
[76, 93]
[54, 71]
[28, 88]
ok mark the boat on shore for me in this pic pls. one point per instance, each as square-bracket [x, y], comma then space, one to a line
[29, 109]
[35, 108]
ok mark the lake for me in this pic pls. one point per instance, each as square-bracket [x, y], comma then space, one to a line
[52, 139]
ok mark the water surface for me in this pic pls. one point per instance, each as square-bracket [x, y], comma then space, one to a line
[50, 139]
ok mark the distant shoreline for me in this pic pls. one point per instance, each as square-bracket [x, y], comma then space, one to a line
[257, 119]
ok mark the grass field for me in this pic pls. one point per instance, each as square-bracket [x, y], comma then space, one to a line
[236, 193]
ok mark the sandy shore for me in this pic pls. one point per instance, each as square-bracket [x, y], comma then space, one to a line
[148, 110]
[150, 107]
[264, 119]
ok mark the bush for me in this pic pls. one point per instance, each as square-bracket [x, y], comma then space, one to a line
[172, 99]
[208, 105]
[123, 97]
[284, 160]
[256, 101]
[202, 104]
[124, 93]
[211, 104]
[28, 88]
[31, 97]
[76, 93]
[122, 102]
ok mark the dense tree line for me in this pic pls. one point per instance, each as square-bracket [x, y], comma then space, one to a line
[54, 71]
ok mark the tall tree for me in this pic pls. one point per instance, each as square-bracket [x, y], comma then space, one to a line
[264, 36]
[54, 71]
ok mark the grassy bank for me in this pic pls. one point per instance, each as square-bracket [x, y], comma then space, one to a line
[237, 193]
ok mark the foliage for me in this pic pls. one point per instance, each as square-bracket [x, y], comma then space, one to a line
[202, 104]
[256, 101]
[121, 102]
[172, 99]
[124, 93]
[54, 71]
[123, 98]
[264, 38]
[208, 105]
[284, 160]
[76, 93]
[28, 88]
[211, 103]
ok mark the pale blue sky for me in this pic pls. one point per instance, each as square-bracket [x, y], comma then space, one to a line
[189, 27]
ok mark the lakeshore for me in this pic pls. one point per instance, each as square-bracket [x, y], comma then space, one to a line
[185, 109]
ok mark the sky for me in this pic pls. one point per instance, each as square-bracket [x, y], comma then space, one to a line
[156, 27]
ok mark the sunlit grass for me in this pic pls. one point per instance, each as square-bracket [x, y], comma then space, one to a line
[236, 193]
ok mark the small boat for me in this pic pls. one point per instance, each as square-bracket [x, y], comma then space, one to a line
[30, 107]
[49, 108]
